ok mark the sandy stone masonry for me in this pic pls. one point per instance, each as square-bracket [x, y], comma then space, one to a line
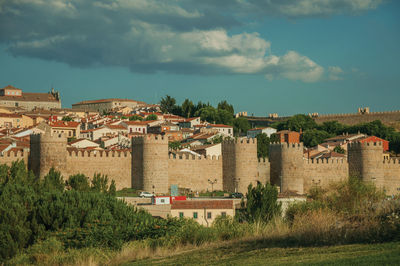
[149, 167]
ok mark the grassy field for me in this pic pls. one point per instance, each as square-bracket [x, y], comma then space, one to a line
[259, 253]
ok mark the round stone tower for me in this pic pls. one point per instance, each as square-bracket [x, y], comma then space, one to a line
[239, 159]
[366, 161]
[287, 166]
[47, 150]
[150, 163]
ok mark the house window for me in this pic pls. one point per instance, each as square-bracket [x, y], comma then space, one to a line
[16, 104]
[229, 131]
[208, 215]
[223, 214]
[162, 200]
[181, 215]
[195, 215]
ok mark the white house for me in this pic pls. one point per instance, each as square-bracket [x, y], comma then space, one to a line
[252, 133]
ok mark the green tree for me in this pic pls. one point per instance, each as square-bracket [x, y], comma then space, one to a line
[174, 145]
[53, 180]
[224, 117]
[187, 108]
[240, 126]
[313, 137]
[78, 182]
[262, 203]
[296, 122]
[67, 118]
[224, 105]
[208, 114]
[135, 117]
[167, 104]
[339, 149]
[151, 117]
[100, 183]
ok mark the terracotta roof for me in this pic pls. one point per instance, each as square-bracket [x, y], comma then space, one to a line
[201, 204]
[287, 131]
[70, 124]
[116, 127]
[106, 101]
[139, 123]
[219, 125]
[10, 115]
[29, 96]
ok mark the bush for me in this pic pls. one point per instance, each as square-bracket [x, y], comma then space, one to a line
[262, 203]
[33, 210]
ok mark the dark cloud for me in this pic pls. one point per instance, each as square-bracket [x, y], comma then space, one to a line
[185, 36]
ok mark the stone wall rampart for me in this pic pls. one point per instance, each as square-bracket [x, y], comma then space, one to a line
[356, 118]
[14, 155]
[193, 172]
[115, 164]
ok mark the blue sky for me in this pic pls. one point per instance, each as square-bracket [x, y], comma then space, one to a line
[266, 56]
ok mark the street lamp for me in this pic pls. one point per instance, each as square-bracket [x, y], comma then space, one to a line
[212, 184]
[237, 180]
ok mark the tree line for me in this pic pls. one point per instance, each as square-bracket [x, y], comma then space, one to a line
[222, 114]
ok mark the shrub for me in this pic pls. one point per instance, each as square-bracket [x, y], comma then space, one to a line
[262, 203]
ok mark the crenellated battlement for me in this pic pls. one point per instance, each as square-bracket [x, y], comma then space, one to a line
[13, 153]
[240, 141]
[194, 157]
[94, 153]
[295, 146]
[359, 114]
[48, 137]
[326, 161]
[149, 138]
[365, 145]
[391, 161]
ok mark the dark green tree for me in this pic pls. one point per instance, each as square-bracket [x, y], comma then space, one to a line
[135, 117]
[313, 137]
[224, 117]
[151, 117]
[240, 126]
[187, 108]
[174, 145]
[78, 182]
[67, 118]
[167, 104]
[224, 105]
[339, 149]
[262, 203]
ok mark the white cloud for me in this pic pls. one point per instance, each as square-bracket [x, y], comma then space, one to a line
[153, 35]
[335, 73]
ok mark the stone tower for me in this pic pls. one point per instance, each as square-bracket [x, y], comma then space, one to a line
[287, 166]
[366, 161]
[150, 163]
[47, 150]
[239, 160]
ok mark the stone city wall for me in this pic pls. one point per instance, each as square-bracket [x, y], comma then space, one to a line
[193, 172]
[356, 118]
[322, 172]
[115, 164]
[11, 156]
[391, 173]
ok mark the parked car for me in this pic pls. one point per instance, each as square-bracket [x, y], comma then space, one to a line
[237, 195]
[145, 194]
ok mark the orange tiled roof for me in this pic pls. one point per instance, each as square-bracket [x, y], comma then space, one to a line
[201, 204]
[70, 124]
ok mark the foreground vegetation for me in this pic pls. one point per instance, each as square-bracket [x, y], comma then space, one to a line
[258, 252]
[52, 221]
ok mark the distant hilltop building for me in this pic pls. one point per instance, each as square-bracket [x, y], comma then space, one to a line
[107, 105]
[14, 97]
